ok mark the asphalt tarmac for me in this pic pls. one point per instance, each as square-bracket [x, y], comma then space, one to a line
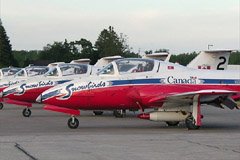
[45, 136]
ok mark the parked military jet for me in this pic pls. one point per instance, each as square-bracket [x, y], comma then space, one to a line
[26, 92]
[207, 60]
[178, 92]
[7, 73]
[25, 100]
[22, 75]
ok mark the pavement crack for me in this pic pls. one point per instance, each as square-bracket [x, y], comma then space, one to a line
[19, 147]
[212, 146]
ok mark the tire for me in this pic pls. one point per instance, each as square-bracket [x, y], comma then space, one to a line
[73, 124]
[119, 113]
[26, 112]
[1, 106]
[190, 123]
[172, 123]
[97, 113]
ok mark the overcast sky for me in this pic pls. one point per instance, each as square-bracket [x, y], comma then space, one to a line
[178, 25]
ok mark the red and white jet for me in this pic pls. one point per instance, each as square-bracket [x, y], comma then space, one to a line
[7, 73]
[178, 92]
[26, 92]
[19, 76]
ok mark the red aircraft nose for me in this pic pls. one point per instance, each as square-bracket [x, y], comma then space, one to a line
[144, 116]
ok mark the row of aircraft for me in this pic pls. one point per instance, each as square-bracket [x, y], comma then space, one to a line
[159, 90]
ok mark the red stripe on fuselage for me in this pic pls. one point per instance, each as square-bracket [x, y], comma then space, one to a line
[29, 95]
[125, 97]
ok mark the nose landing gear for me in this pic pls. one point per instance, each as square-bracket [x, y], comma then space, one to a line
[1, 106]
[73, 122]
[26, 112]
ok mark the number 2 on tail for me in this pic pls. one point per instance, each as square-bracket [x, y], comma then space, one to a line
[221, 63]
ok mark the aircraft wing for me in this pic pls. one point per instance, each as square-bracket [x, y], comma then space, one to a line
[217, 98]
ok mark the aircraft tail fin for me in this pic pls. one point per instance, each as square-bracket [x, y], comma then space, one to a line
[81, 61]
[214, 60]
[165, 56]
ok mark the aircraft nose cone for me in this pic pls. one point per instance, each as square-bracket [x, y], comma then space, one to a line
[39, 99]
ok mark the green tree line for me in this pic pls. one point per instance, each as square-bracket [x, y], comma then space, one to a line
[109, 43]
[88, 51]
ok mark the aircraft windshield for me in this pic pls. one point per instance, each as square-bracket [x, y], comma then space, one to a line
[36, 70]
[68, 69]
[107, 70]
[72, 69]
[134, 65]
[52, 72]
[10, 71]
[32, 71]
[21, 73]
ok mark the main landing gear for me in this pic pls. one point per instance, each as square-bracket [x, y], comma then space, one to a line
[172, 123]
[97, 113]
[190, 114]
[191, 123]
[1, 106]
[26, 112]
[119, 113]
[73, 122]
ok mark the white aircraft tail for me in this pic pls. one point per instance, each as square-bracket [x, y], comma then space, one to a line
[81, 61]
[55, 64]
[214, 60]
[158, 56]
[105, 60]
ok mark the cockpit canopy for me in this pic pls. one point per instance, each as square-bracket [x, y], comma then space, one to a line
[127, 66]
[32, 71]
[10, 71]
[67, 70]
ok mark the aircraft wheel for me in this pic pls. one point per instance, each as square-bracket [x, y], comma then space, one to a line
[73, 123]
[190, 123]
[97, 113]
[26, 112]
[1, 106]
[172, 123]
[119, 113]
